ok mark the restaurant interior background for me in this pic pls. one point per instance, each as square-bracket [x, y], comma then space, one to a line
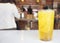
[30, 22]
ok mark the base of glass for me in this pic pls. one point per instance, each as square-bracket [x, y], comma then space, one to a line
[46, 39]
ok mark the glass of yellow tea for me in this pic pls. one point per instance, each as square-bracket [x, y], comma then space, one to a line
[45, 24]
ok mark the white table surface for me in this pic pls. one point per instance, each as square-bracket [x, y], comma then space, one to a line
[26, 36]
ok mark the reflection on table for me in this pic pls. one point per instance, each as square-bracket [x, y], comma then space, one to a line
[26, 36]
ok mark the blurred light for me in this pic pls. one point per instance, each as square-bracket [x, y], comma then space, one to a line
[22, 0]
[38, 0]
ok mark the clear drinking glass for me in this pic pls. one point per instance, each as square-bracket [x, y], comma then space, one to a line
[45, 24]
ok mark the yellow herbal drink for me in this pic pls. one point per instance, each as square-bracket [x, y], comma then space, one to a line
[45, 24]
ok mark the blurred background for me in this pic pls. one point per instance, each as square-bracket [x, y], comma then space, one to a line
[29, 21]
